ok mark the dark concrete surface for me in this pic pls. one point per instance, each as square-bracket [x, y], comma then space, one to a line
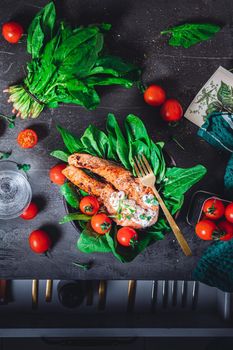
[135, 36]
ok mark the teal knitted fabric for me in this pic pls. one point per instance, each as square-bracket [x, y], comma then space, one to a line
[215, 267]
[218, 131]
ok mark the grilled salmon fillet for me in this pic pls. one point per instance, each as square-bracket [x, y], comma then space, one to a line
[111, 199]
[119, 177]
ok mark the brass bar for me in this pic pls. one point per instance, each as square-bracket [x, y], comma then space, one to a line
[49, 291]
[34, 293]
[102, 295]
[131, 295]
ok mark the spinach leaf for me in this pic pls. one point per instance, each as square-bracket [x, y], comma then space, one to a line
[70, 194]
[73, 217]
[72, 143]
[178, 180]
[88, 243]
[117, 142]
[95, 141]
[136, 130]
[62, 155]
[190, 34]
[41, 27]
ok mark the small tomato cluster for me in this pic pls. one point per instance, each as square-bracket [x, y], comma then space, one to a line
[216, 222]
[171, 110]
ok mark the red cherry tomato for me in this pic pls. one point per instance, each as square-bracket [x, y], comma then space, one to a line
[206, 229]
[213, 208]
[101, 223]
[27, 138]
[226, 229]
[12, 32]
[30, 212]
[89, 205]
[127, 236]
[154, 95]
[56, 175]
[171, 111]
[229, 212]
[39, 241]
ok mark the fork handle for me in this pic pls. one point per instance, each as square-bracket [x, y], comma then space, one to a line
[177, 232]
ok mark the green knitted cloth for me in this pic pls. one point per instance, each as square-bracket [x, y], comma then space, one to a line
[215, 267]
[218, 131]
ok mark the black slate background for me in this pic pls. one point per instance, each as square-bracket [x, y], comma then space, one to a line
[134, 36]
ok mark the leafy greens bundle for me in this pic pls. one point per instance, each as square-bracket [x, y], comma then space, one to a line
[67, 65]
[122, 147]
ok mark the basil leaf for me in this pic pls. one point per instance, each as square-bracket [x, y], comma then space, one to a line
[70, 194]
[5, 155]
[24, 167]
[73, 217]
[190, 34]
[179, 180]
[92, 244]
[117, 142]
[62, 155]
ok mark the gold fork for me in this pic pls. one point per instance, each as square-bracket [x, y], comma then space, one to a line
[147, 178]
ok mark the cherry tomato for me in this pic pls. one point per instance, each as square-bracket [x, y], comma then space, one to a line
[213, 208]
[12, 32]
[89, 205]
[229, 212]
[127, 236]
[171, 111]
[154, 95]
[39, 241]
[30, 212]
[101, 223]
[27, 138]
[206, 229]
[56, 175]
[226, 229]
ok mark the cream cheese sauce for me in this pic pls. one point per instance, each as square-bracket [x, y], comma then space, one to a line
[128, 209]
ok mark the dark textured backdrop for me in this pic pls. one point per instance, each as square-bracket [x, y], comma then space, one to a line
[135, 36]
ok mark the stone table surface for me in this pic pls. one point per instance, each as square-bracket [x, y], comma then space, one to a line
[135, 35]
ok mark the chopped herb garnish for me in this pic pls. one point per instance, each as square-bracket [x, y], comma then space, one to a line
[83, 266]
[24, 167]
[5, 155]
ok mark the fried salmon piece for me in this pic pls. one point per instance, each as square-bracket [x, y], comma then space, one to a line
[104, 193]
[119, 177]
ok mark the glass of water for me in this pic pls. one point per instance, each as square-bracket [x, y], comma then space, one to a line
[15, 190]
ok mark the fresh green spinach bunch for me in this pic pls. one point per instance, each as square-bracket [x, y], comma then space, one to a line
[67, 64]
[121, 146]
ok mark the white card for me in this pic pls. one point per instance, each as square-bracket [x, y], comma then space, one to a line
[209, 99]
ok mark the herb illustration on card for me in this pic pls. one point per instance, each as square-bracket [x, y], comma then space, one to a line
[215, 96]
